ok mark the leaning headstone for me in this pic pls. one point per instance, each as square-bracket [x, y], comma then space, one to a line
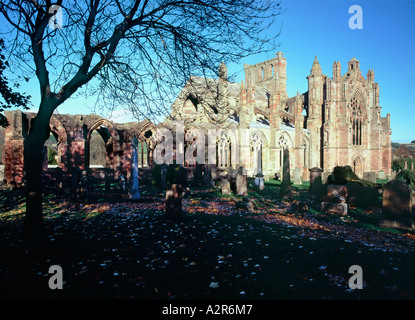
[398, 205]
[297, 176]
[134, 193]
[242, 181]
[286, 190]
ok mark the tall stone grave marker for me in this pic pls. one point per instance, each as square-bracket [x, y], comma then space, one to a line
[176, 184]
[398, 205]
[286, 190]
[134, 193]
[207, 180]
[242, 182]
[315, 180]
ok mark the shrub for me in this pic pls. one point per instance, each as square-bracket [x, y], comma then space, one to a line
[342, 175]
[408, 177]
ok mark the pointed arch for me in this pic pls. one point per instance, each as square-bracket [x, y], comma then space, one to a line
[258, 143]
[145, 143]
[357, 165]
[357, 117]
[194, 146]
[227, 153]
[111, 143]
[284, 142]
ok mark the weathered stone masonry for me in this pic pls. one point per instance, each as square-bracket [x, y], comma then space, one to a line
[73, 135]
[336, 122]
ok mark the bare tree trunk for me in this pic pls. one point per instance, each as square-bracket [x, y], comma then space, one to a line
[34, 234]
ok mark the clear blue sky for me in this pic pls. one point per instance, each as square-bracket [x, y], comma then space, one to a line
[386, 44]
[315, 27]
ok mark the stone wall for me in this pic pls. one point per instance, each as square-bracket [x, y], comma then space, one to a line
[74, 144]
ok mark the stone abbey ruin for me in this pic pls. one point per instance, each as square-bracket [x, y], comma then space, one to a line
[337, 122]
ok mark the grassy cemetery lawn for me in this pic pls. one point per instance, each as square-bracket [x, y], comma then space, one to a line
[112, 248]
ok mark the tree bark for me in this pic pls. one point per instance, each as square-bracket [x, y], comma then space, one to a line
[34, 234]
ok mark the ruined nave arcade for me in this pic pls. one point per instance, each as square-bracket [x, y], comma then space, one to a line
[87, 142]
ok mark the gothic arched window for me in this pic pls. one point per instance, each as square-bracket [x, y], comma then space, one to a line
[223, 150]
[356, 120]
[256, 152]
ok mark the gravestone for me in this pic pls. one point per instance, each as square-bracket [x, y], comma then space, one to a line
[198, 174]
[174, 195]
[241, 181]
[297, 176]
[335, 200]
[134, 193]
[225, 185]
[176, 184]
[259, 183]
[398, 205]
[370, 176]
[207, 180]
[286, 190]
[245, 204]
[381, 175]
[315, 180]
